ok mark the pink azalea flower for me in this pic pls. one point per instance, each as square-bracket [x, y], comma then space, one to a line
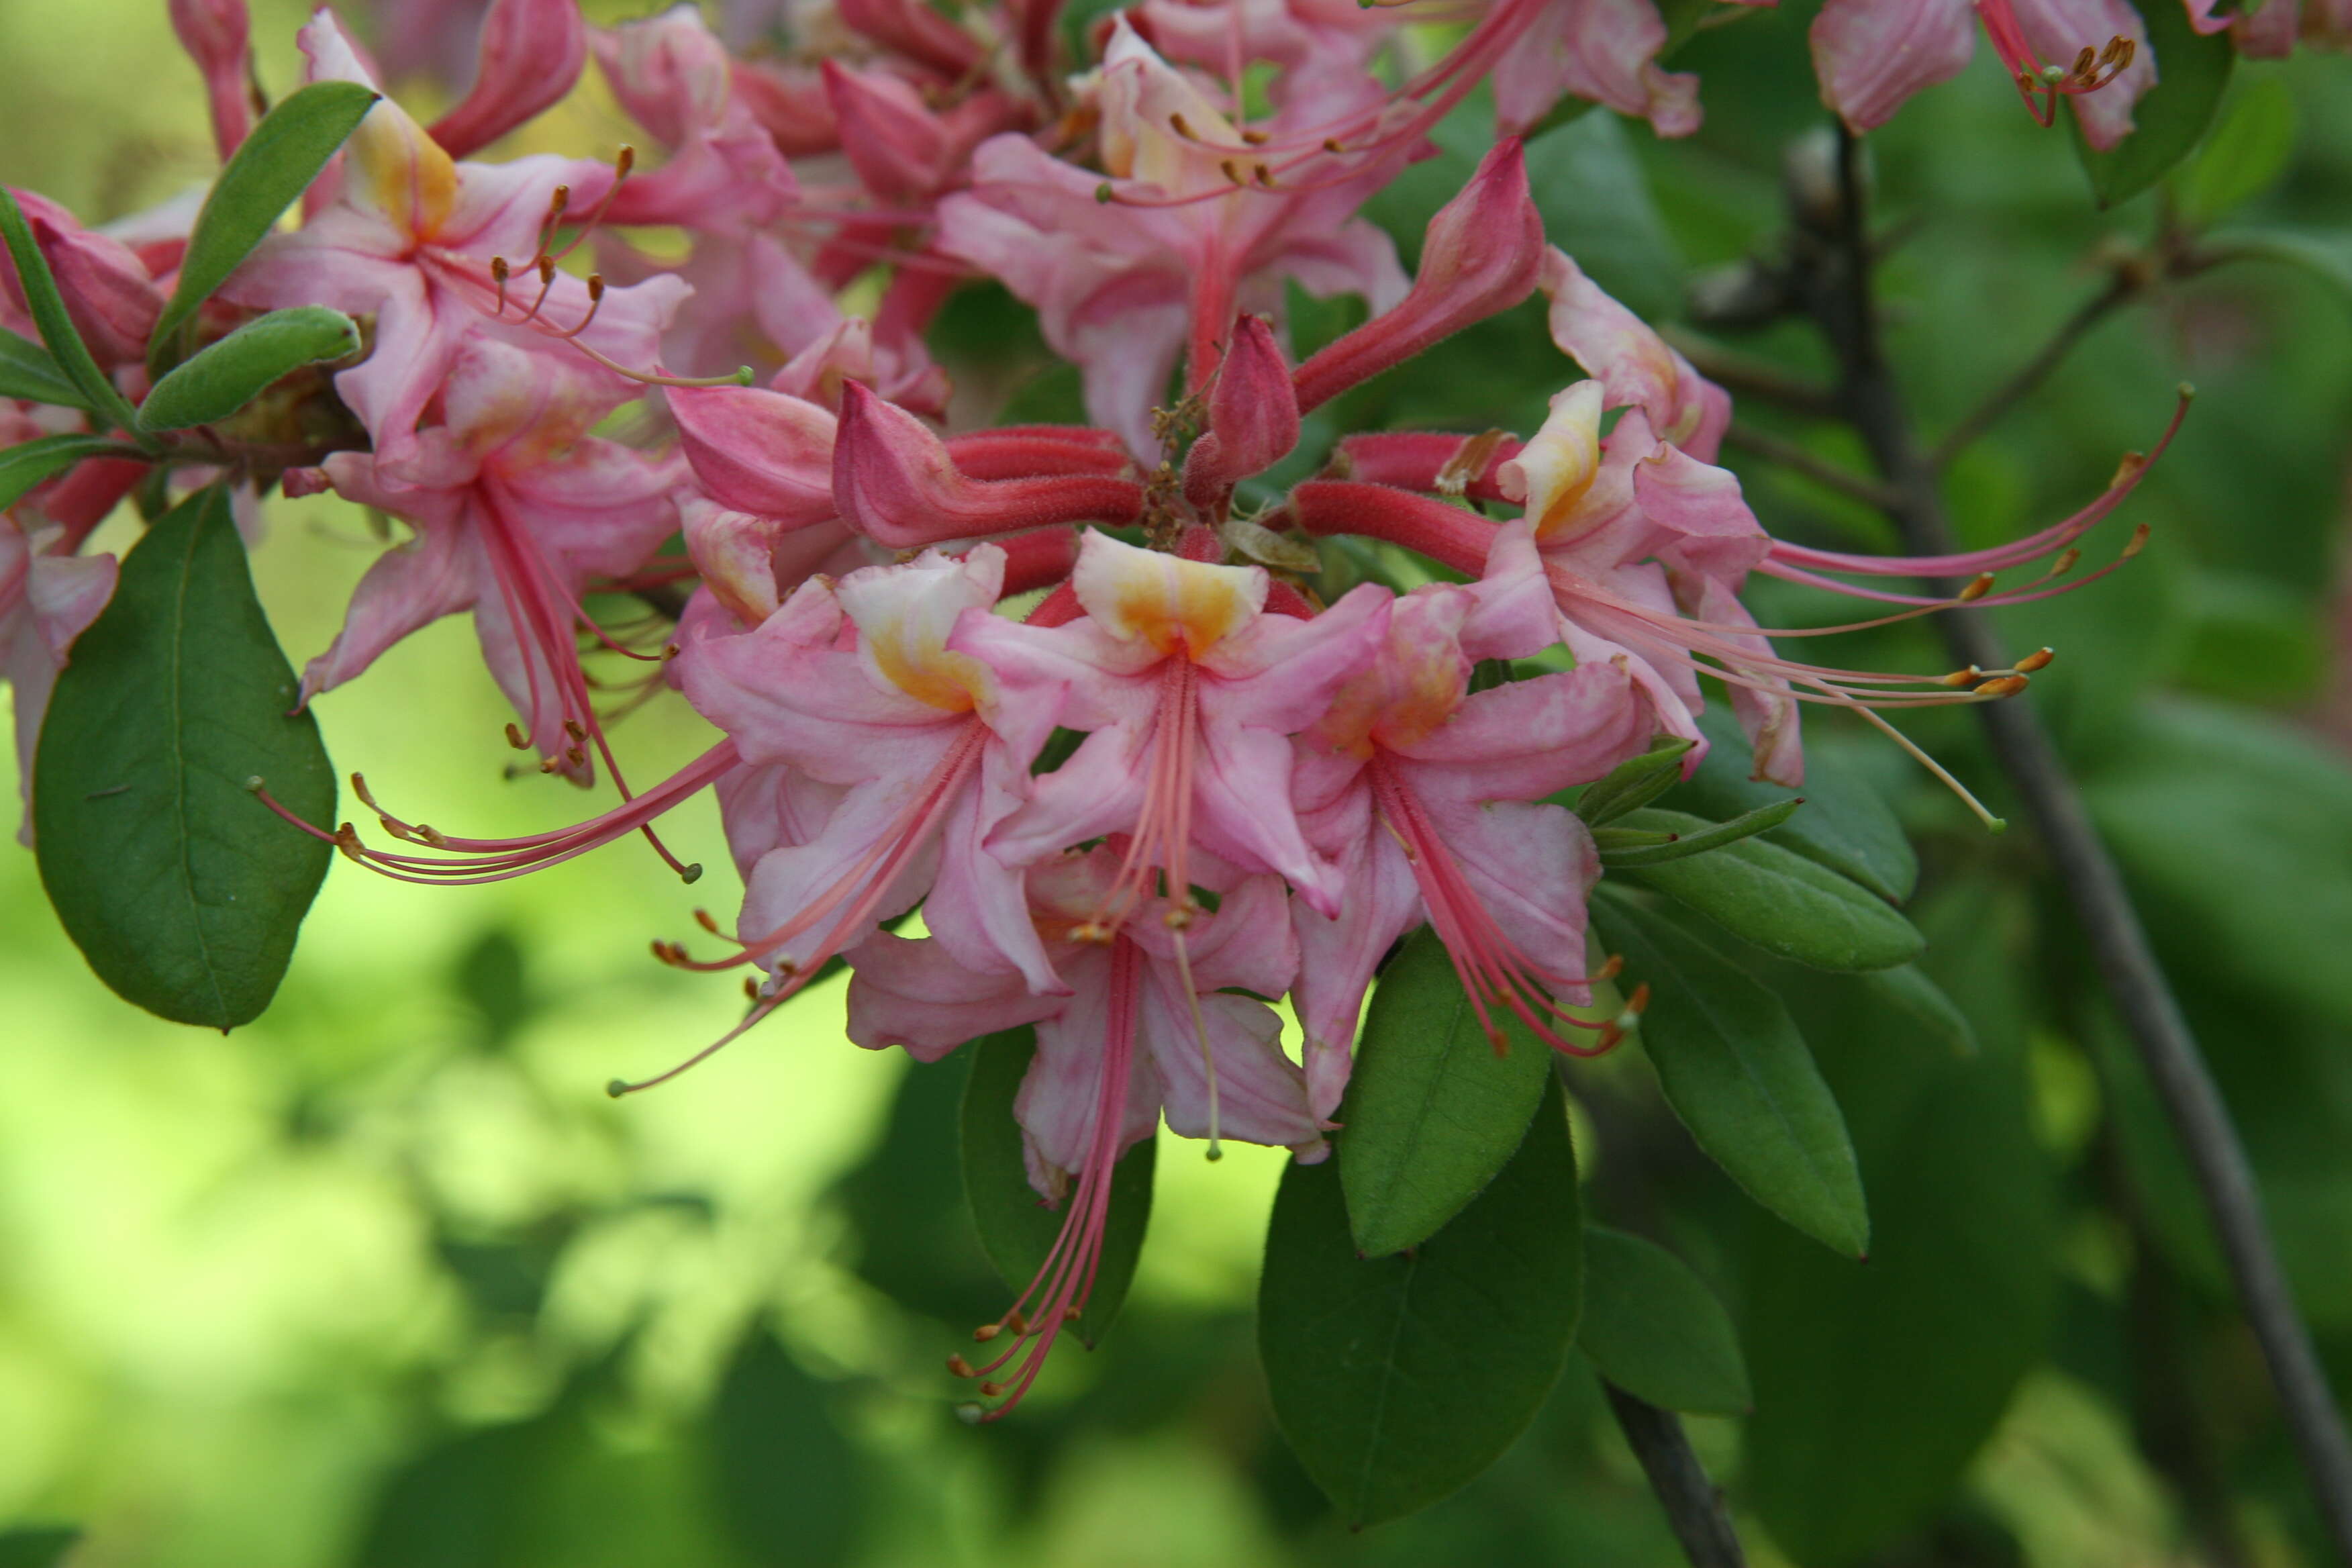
[725, 175]
[1188, 689]
[438, 252]
[46, 600]
[516, 509]
[1421, 793]
[1872, 55]
[858, 686]
[1605, 50]
[1645, 548]
[1191, 237]
[1148, 1022]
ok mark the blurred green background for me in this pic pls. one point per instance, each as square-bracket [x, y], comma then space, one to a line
[384, 1280]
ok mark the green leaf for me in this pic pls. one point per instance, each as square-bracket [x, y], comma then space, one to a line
[2326, 254]
[223, 377]
[26, 370]
[2245, 156]
[1654, 1329]
[2169, 116]
[183, 890]
[1398, 1379]
[2234, 831]
[1907, 994]
[275, 164]
[1782, 902]
[1633, 782]
[1876, 1386]
[1846, 825]
[37, 1546]
[1432, 1112]
[786, 1477]
[1015, 1226]
[48, 308]
[1648, 839]
[1737, 1074]
[24, 467]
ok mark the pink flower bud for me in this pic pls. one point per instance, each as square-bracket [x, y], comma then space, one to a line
[898, 147]
[894, 482]
[790, 103]
[112, 301]
[1253, 416]
[758, 451]
[1019, 451]
[530, 54]
[216, 35]
[1482, 254]
[1434, 460]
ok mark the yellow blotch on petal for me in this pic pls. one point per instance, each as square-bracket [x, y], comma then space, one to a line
[394, 167]
[1553, 473]
[1172, 605]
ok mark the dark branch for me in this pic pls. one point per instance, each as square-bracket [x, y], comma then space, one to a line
[1837, 284]
[1694, 1504]
[1821, 470]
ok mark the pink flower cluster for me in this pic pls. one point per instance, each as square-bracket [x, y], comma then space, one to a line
[1064, 690]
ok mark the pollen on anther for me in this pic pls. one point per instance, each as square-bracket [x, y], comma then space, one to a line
[516, 738]
[960, 1367]
[986, 1332]
[2039, 660]
[1977, 589]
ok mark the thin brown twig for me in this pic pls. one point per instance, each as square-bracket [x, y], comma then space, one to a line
[1838, 295]
[1693, 1503]
[1821, 470]
[1753, 377]
[2123, 287]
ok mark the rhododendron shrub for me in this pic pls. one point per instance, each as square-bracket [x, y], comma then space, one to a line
[1214, 749]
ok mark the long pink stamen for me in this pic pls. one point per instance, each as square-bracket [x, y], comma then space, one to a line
[1494, 972]
[472, 862]
[1066, 1281]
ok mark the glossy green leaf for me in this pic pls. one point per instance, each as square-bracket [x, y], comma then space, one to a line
[1432, 1112]
[2245, 156]
[1846, 825]
[271, 168]
[1782, 902]
[1876, 1386]
[224, 376]
[2234, 831]
[1666, 837]
[26, 370]
[786, 1477]
[2326, 254]
[1908, 995]
[2170, 117]
[1739, 1075]
[183, 890]
[1398, 1379]
[1016, 1226]
[37, 1546]
[26, 466]
[48, 308]
[1654, 1329]
[1633, 782]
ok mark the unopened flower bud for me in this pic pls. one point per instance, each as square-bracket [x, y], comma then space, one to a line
[1482, 254]
[896, 482]
[531, 52]
[1253, 416]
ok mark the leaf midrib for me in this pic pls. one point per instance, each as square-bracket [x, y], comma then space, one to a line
[177, 733]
